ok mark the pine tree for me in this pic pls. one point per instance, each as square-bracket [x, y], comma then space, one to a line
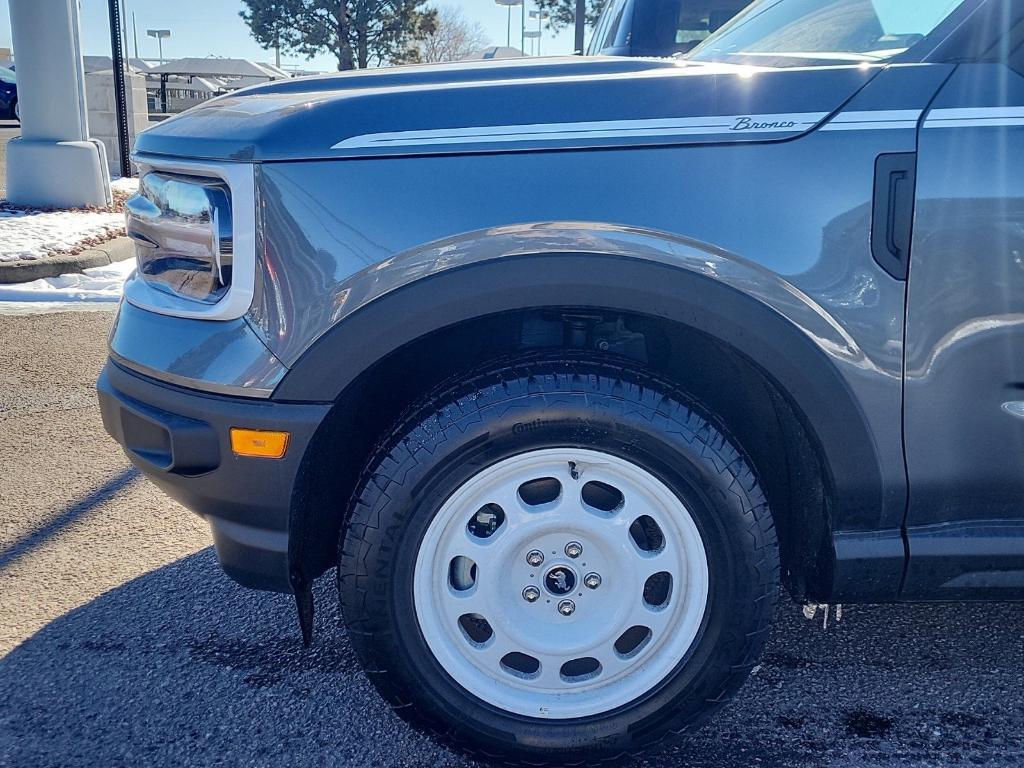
[359, 33]
[563, 12]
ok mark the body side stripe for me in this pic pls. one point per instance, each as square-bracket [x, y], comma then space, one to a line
[975, 117]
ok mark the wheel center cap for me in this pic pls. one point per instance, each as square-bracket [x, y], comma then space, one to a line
[560, 580]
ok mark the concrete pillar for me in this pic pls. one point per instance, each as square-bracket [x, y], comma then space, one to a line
[53, 163]
[99, 91]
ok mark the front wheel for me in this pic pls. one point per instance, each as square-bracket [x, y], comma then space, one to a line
[558, 561]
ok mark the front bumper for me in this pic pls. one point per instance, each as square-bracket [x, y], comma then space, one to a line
[179, 439]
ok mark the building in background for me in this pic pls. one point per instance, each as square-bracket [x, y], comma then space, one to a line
[495, 52]
[104, 64]
[177, 85]
[296, 70]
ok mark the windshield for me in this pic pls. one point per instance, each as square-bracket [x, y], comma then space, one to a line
[660, 27]
[7, 75]
[781, 32]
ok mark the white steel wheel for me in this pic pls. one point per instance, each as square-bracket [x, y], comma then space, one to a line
[561, 583]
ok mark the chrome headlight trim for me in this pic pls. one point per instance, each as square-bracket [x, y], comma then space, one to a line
[241, 181]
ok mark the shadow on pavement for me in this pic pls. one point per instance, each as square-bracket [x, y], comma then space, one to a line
[66, 517]
[182, 667]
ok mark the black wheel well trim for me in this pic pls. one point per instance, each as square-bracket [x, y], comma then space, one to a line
[478, 289]
[332, 368]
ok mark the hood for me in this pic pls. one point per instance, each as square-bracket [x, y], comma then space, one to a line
[539, 103]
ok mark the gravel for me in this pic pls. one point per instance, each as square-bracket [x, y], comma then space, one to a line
[122, 644]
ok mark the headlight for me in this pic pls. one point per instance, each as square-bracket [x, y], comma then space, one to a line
[182, 230]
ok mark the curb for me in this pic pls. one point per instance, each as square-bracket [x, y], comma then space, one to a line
[118, 249]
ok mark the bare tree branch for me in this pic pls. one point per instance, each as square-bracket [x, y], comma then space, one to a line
[453, 37]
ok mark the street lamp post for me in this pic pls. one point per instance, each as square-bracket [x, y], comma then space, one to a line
[159, 34]
[118, 33]
[533, 34]
[509, 4]
[581, 25]
[541, 17]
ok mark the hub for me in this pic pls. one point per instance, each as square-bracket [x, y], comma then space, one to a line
[560, 580]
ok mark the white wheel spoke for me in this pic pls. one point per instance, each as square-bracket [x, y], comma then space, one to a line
[480, 551]
[548, 674]
[456, 605]
[495, 649]
[657, 620]
[660, 563]
[550, 671]
[507, 497]
[466, 545]
[611, 662]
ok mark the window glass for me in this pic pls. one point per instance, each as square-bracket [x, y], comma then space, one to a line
[667, 27]
[612, 32]
[7, 75]
[613, 10]
[829, 30]
[593, 48]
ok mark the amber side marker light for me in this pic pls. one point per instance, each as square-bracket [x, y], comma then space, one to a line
[262, 443]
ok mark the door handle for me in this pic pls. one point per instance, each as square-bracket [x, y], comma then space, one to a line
[892, 220]
[896, 250]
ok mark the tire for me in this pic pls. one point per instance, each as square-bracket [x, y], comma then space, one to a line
[589, 420]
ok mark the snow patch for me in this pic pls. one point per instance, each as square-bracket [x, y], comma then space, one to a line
[124, 184]
[32, 235]
[97, 284]
[36, 234]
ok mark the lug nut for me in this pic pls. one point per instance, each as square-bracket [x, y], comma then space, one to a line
[531, 594]
[592, 580]
[574, 549]
[566, 607]
[535, 557]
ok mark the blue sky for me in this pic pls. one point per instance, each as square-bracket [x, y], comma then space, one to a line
[205, 27]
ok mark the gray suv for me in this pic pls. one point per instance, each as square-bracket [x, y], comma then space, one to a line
[567, 365]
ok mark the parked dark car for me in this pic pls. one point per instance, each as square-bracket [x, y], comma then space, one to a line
[659, 27]
[9, 94]
[567, 365]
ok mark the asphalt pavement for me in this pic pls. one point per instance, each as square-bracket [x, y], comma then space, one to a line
[122, 643]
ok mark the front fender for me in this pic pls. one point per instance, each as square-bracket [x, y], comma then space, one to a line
[777, 327]
[548, 241]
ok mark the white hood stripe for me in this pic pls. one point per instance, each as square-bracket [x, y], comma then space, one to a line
[603, 129]
[720, 125]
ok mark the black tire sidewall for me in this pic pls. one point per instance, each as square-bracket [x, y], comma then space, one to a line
[675, 450]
